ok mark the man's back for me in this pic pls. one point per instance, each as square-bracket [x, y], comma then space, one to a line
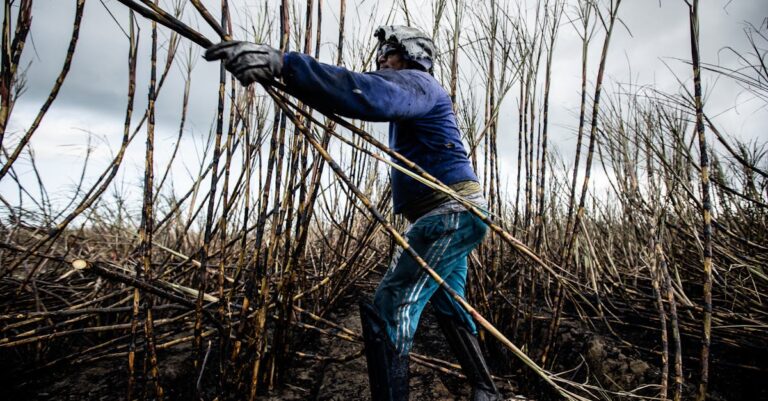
[422, 127]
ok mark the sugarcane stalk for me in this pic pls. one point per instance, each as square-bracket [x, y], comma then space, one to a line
[668, 290]
[706, 210]
[656, 278]
[585, 11]
[132, 57]
[9, 58]
[209, 220]
[147, 219]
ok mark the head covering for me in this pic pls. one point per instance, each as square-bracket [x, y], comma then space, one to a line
[415, 45]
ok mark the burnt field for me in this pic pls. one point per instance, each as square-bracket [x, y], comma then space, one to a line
[627, 262]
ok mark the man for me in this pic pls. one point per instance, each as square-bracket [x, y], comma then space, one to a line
[423, 129]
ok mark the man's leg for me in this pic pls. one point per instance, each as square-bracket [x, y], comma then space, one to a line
[406, 287]
[401, 297]
[387, 370]
[460, 331]
[462, 339]
[444, 304]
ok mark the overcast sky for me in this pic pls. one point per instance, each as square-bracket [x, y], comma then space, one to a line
[647, 51]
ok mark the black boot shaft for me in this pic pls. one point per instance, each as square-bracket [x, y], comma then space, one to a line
[387, 370]
[465, 346]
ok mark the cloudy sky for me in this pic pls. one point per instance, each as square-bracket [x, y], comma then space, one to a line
[649, 49]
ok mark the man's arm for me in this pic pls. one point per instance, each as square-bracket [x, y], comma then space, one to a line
[385, 95]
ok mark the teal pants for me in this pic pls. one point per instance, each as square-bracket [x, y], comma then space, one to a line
[444, 241]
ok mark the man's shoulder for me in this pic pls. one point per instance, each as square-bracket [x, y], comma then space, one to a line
[411, 77]
[405, 73]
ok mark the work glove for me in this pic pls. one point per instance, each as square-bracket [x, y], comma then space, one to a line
[248, 62]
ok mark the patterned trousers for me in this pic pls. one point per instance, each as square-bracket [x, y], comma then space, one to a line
[444, 241]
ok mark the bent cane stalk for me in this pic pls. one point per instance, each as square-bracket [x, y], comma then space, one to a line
[407, 248]
[422, 176]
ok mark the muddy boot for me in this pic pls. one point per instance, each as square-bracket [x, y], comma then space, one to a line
[467, 350]
[387, 371]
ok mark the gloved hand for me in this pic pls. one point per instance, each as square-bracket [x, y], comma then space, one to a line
[249, 62]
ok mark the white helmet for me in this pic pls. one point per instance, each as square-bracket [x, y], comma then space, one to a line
[416, 46]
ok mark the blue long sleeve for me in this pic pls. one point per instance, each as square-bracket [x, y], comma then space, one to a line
[422, 124]
[385, 95]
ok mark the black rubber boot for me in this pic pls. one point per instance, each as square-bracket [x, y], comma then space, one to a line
[467, 350]
[387, 371]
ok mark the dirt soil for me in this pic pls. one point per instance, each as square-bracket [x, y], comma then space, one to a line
[614, 365]
[349, 381]
[344, 381]
[311, 380]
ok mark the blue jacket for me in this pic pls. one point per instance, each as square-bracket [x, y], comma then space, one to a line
[422, 123]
